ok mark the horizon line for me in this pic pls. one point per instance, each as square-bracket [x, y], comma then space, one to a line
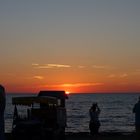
[71, 93]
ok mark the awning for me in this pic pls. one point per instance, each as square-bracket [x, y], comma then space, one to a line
[28, 101]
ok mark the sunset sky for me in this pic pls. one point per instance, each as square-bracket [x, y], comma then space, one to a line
[72, 45]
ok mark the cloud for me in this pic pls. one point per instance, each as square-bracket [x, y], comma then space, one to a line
[81, 67]
[44, 67]
[76, 85]
[99, 67]
[123, 75]
[118, 75]
[59, 65]
[38, 77]
[35, 64]
[112, 76]
[49, 66]
[82, 84]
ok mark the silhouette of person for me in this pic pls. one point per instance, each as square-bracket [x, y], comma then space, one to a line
[136, 110]
[2, 108]
[94, 123]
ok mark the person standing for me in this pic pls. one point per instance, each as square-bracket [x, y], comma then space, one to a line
[94, 124]
[136, 110]
[2, 108]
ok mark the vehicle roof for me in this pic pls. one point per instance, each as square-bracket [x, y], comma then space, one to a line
[28, 101]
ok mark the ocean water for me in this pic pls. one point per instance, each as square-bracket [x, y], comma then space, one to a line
[116, 111]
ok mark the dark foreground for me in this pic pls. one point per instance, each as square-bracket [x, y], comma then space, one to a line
[86, 136]
[102, 136]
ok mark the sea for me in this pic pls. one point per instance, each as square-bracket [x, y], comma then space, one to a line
[116, 111]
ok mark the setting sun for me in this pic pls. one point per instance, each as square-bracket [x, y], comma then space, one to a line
[67, 92]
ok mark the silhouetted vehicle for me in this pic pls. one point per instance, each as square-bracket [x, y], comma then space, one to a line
[45, 116]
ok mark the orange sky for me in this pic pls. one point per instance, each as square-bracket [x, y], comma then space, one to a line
[57, 79]
[77, 46]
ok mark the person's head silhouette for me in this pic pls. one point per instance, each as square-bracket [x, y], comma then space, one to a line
[2, 93]
[2, 89]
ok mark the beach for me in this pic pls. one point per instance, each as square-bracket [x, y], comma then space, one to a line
[101, 136]
[86, 136]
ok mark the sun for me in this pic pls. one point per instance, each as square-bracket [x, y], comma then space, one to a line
[67, 92]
